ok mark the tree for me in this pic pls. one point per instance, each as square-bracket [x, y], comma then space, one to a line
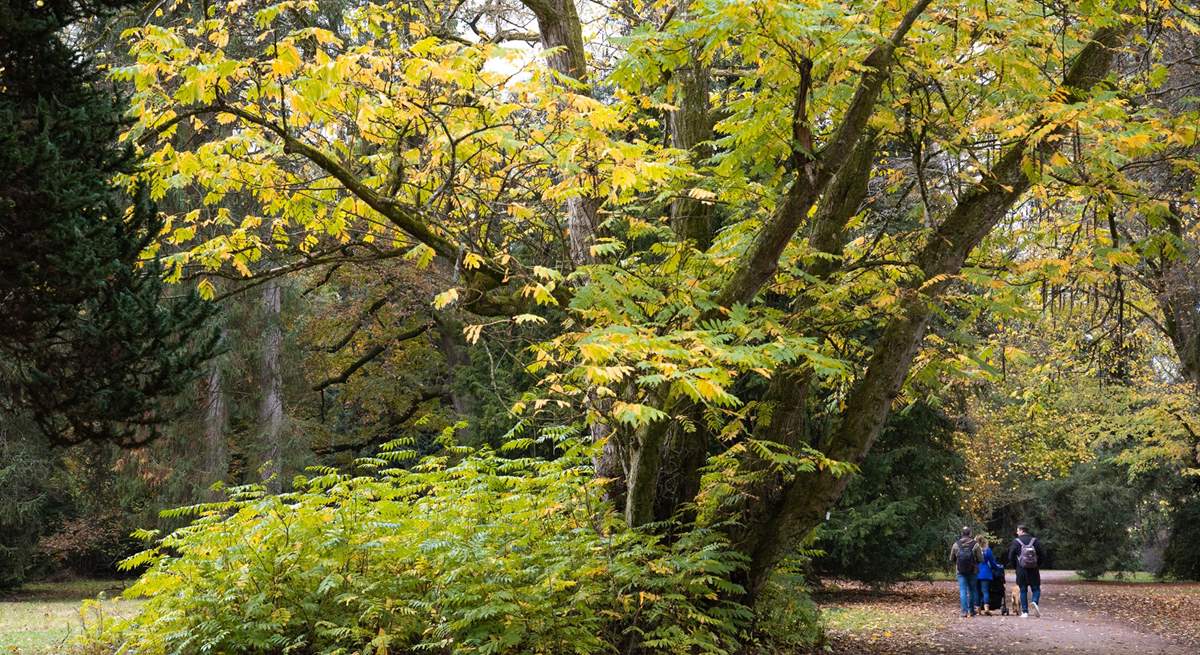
[88, 345]
[32, 500]
[903, 507]
[1088, 519]
[735, 313]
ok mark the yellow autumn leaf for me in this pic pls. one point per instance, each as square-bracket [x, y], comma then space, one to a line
[593, 352]
[287, 60]
[445, 298]
[472, 261]
[624, 177]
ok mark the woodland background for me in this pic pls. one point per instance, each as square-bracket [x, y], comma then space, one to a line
[761, 290]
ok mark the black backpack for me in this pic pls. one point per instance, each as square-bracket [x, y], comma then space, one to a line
[966, 556]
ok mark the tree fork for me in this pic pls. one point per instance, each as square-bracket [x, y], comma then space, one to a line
[761, 260]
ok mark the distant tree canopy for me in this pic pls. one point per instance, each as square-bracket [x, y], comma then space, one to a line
[1088, 520]
[89, 346]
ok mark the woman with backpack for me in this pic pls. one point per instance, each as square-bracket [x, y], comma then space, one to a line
[966, 555]
[987, 570]
[1025, 554]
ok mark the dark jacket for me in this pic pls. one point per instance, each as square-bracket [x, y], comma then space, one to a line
[1014, 551]
[962, 543]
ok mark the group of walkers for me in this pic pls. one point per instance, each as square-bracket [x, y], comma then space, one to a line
[977, 568]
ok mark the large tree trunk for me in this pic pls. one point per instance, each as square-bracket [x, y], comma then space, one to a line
[1179, 300]
[645, 464]
[665, 460]
[690, 125]
[270, 410]
[562, 35]
[453, 346]
[665, 464]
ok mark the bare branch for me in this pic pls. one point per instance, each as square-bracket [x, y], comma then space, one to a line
[367, 357]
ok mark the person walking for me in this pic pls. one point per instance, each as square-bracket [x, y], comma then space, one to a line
[966, 555]
[987, 571]
[1025, 554]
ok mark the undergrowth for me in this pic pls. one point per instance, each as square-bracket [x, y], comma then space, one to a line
[463, 552]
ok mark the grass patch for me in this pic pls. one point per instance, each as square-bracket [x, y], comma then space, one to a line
[940, 575]
[1139, 577]
[873, 620]
[40, 617]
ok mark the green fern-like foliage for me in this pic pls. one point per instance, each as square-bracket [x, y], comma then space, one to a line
[462, 552]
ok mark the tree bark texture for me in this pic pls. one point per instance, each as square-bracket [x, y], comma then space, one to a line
[216, 420]
[690, 126]
[270, 410]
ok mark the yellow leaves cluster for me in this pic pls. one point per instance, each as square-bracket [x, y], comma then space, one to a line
[342, 98]
[454, 133]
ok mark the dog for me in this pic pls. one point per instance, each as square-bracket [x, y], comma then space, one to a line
[1014, 601]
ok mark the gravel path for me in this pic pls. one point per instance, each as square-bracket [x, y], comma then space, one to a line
[1099, 626]
[1066, 626]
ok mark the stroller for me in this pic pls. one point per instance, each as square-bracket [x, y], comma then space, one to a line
[996, 596]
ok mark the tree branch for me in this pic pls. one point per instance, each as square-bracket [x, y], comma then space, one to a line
[758, 265]
[422, 398]
[486, 276]
[366, 313]
[369, 356]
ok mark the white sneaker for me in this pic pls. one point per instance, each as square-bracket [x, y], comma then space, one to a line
[1024, 615]
[1036, 612]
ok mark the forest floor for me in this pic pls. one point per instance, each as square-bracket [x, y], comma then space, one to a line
[1095, 618]
[40, 618]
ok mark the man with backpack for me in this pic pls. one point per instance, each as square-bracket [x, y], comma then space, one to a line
[1025, 554]
[966, 555]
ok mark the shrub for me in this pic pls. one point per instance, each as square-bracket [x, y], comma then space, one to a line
[87, 546]
[1182, 559]
[1085, 519]
[482, 555]
[787, 619]
[894, 516]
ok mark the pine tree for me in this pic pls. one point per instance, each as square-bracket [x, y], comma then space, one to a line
[89, 346]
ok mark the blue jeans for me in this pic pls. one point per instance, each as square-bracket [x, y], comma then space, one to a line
[968, 592]
[984, 595]
[1037, 596]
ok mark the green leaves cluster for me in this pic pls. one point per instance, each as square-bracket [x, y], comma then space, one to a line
[464, 553]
